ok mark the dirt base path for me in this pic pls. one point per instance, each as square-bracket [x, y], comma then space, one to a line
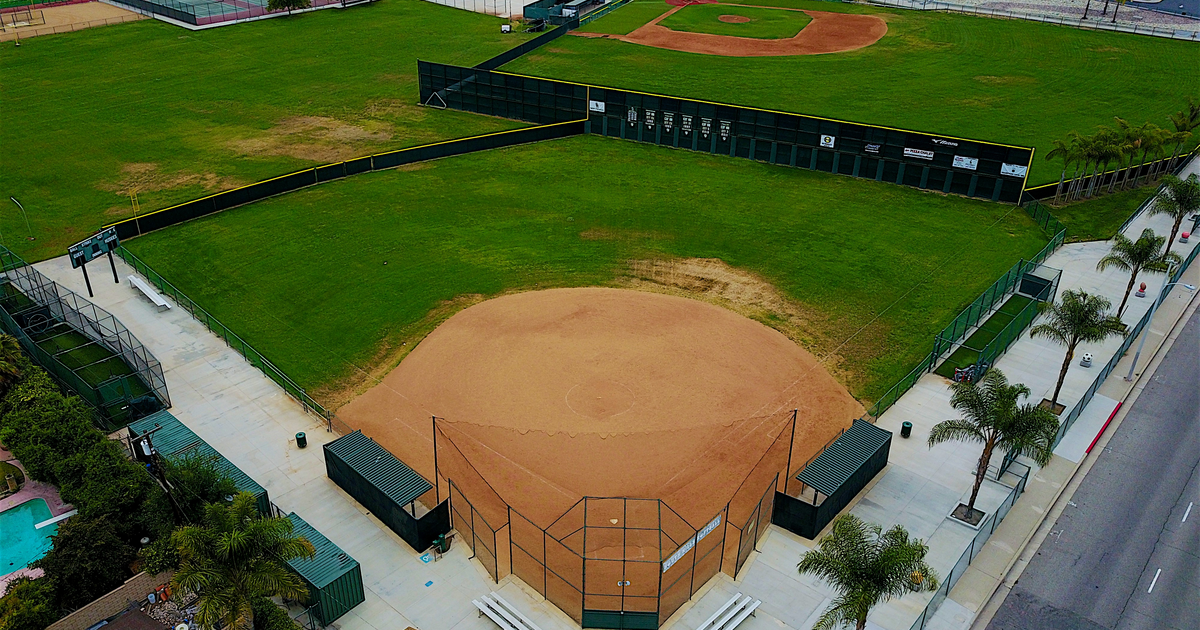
[64, 19]
[827, 33]
[554, 395]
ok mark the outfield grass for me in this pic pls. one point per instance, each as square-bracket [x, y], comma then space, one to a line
[763, 24]
[627, 19]
[178, 114]
[968, 353]
[1099, 219]
[334, 278]
[1006, 81]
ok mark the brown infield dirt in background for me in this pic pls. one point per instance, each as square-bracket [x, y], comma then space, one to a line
[554, 395]
[827, 33]
[733, 19]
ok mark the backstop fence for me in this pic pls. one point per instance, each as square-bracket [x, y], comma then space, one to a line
[952, 165]
[611, 562]
[81, 345]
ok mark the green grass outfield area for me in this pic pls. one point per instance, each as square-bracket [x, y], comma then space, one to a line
[179, 114]
[627, 19]
[763, 24]
[968, 353]
[872, 270]
[1006, 81]
[1099, 219]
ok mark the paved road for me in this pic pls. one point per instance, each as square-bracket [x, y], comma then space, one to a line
[1125, 524]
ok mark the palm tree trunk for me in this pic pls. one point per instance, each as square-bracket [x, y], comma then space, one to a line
[1128, 290]
[1058, 190]
[1174, 231]
[984, 460]
[861, 624]
[1062, 375]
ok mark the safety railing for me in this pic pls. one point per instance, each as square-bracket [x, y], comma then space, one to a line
[977, 544]
[1091, 25]
[254, 357]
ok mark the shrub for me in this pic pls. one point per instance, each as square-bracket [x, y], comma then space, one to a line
[88, 559]
[196, 481]
[159, 556]
[268, 616]
[28, 605]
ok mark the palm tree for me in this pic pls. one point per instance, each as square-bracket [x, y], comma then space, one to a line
[1067, 152]
[1078, 317]
[1179, 198]
[1185, 121]
[236, 557]
[868, 566]
[992, 415]
[10, 367]
[1137, 256]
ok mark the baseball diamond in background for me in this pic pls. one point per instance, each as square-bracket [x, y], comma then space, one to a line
[971, 168]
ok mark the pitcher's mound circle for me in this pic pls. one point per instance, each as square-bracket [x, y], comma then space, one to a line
[734, 19]
[600, 399]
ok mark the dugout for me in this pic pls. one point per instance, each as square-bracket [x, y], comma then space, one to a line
[333, 578]
[171, 439]
[387, 487]
[832, 480]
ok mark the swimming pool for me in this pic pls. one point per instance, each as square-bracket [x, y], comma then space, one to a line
[22, 543]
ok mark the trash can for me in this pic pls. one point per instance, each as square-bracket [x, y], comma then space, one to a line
[905, 429]
[301, 440]
[442, 543]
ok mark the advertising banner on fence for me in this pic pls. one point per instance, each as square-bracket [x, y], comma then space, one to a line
[1013, 170]
[968, 163]
[691, 542]
[918, 153]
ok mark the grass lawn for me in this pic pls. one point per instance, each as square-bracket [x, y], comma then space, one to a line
[763, 24]
[1099, 218]
[1005, 81]
[328, 282]
[177, 114]
[968, 353]
[627, 19]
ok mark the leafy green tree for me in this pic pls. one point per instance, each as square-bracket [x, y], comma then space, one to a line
[268, 616]
[1144, 254]
[46, 429]
[290, 5]
[159, 556]
[1179, 198]
[236, 557]
[195, 482]
[992, 414]
[1078, 317]
[28, 605]
[10, 361]
[88, 559]
[1185, 122]
[868, 567]
[103, 483]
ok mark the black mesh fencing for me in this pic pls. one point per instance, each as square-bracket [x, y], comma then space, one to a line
[513, 53]
[294, 181]
[951, 165]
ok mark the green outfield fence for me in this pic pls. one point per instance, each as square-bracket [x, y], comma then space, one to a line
[251, 355]
[513, 53]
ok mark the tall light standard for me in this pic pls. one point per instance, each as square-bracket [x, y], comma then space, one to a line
[1162, 294]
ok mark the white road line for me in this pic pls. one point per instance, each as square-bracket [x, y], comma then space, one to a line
[1154, 581]
[1189, 511]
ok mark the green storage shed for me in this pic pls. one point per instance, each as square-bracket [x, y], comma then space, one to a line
[333, 578]
[173, 439]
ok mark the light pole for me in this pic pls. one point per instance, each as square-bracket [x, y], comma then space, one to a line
[1162, 293]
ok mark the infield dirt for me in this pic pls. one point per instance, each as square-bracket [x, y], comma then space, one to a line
[555, 395]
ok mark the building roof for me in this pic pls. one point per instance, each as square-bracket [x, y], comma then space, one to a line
[330, 562]
[846, 455]
[380, 468]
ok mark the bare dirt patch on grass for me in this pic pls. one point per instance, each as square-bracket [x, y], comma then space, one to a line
[316, 138]
[148, 177]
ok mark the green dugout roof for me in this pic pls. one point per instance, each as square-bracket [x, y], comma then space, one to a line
[174, 440]
[844, 457]
[378, 467]
[333, 578]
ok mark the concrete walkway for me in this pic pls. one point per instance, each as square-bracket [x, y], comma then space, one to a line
[252, 422]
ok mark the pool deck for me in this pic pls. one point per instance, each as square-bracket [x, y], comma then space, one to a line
[31, 490]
